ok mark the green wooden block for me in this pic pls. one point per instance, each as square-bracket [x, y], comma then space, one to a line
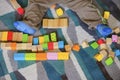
[25, 38]
[94, 45]
[46, 38]
[53, 37]
[45, 46]
[109, 61]
[30, 56]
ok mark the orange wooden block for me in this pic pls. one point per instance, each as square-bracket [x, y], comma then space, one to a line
[76, 47]
[30, 38]
[41, 56]
[13, 46]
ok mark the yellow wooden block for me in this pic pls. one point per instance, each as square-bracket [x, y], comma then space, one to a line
[63, 55]
[45, 23]
[85, 44]
[108, 41]
[41, 39]
[0, 36]
[4, 36]
[67, 48]
[19, 37]
[59, 11]
[98, 57]
[39, 48]
[30, 38]
[55, 45]
[34, 48]
[106, 14]
[116, 30]
[104, 53]
[63, 22]
[111, 54]
[103, 46]
[30, 56]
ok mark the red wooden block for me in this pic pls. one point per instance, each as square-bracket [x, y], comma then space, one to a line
[100, 41]
[50, 46]
[10, 35]
[20, 11]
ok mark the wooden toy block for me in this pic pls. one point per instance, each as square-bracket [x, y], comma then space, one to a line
[118, 42]
[15, 34]
[19, 46]
[60, 44]
[109, 61]
[94, 45]
[46, 38]
[25, 38]
[39, 48]
[63, 55]
[45, 46]
[85, 44]
[19, 37]
[59, 11]
[53, 37]
[19, 56]
[41, 39]
[34, 48]
[10, 36]
[63, 22]
[41, 56]
[98, 57]
[117, 52]
[2, 45]
[45, 23]
[30, 38]
[56, 23]
[30, 56]
[24, 46]
[108, 41]
[35, 41]
[50, 23]
[106, 14]
[103, 46]
[100, 41]
[0, 36]
[103, 52]
[29, 46]
[4, 36]
[114, 38]
[116, 30]
[111, 54]
[13, 46]
[55, 45]
[76, 47]
[8, 46]
[52, 55]
[67, 48]
[50, 46]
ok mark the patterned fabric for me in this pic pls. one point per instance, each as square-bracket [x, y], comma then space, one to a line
[81, 65]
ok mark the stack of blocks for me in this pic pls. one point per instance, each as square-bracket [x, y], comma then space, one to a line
[42, 56]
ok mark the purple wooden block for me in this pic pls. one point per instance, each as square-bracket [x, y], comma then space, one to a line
[52, 55]
[114, 38]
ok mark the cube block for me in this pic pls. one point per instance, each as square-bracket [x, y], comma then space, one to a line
[41, 39]
[98, 57]
[50, 46]
[109, 61]
[111, 54]
[67, 48]
[114, 38]
[41, 56]
[10, 35]
[46, 38]
[34, 48]
[30, 56]
[15, 36]
[35, 41]
[30, 39]
[53, 37]
[4, 36]
[103, 46]
[45, 23]
[59, 11]
[61, 44]
[39, 48]
[52, 55]
[103, 52]
[19, 37]
[108, 41]
[100, 41]
[116, 30]
[55, 45]
[117, 52]
[45, 46]
[19, 56]
[13, 46]
[106, 14]
[63, 55]
[85, 44]
[76, 47]
[25, 38]
[94, 45]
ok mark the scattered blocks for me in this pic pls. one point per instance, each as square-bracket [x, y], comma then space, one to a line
[35, 41]
[63, 55]
[117, 52]
[20, 56]
[114, 38]
[116, 30]
[59, 11]
[108, 41]
[53, 37]
[52, 56]
[84, 44]
[30, 56]
[106, 14]
[103, 46]
[100, 41]
[46, 38]
[25, 38]
[50, 46]
[41, 56]
[98, 57]
[41, 39]
[61, 44]
[109, 61]
[67, 48]
[94, 45]
[76, 47]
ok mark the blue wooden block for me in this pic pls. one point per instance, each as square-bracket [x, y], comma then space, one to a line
[61, 44]
[35, 41]
[19, 56]
[117, 52]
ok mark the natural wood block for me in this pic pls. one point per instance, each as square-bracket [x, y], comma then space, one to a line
[45, 23]
[104, 53]
[2, 45]
[63, 22]
[34, 48]
[8, 46]
[19, 38]
[30, 39]
[111, 54]
[50, 23]
[103, 46]
[4, 36]
[0, 36]
[41, 56]
[116, 30]
[15, 34]
[108, 41]
[85, 44]
[39, 48]
[19, 46]
[24, 46]
[67, 48]
[29, 46]
[56, 23]
[55, 45]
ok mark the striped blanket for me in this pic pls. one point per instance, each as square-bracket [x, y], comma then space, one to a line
[80, 66]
